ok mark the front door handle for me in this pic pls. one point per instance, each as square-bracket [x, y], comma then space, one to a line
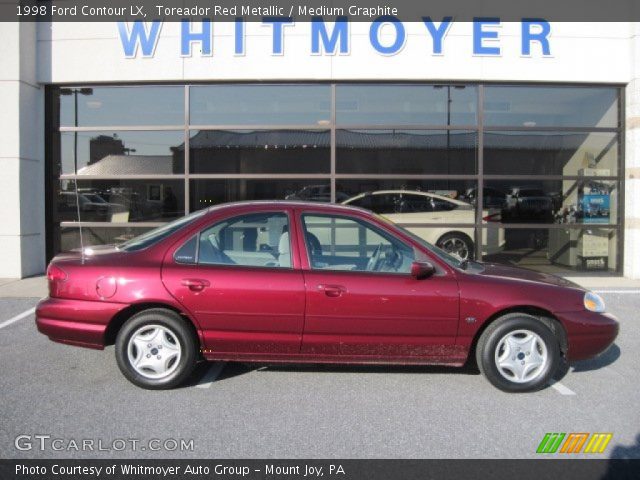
[332, 290]
[195, 284]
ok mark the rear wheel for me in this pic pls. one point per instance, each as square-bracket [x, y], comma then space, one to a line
[518, 353]
[457, 244]
[156, 349]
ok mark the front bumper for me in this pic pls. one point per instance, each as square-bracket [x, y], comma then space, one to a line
[76, 322]
[588, 333]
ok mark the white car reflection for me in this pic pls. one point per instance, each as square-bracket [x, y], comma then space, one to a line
[421, 212]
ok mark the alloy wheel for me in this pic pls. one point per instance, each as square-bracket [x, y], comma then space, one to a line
[521, 356]
[456, 246]
[154, 351]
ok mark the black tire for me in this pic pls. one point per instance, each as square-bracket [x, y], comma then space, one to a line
[490, 340]
[457, 237]
[179, 331]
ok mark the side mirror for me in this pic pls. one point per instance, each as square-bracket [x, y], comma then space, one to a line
[421, 270]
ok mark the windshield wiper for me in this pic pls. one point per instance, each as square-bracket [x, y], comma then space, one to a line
[464, 264]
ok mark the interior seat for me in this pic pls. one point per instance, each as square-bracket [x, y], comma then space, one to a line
[284, 250]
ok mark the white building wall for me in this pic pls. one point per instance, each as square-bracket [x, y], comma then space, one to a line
[22, 225]
[92, 52]
[632, 164]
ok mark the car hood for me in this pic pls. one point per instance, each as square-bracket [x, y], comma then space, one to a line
[525, 275]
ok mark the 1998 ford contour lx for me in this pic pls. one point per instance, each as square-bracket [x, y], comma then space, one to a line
[306, 282]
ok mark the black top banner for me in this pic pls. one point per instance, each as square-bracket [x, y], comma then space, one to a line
[306, 10]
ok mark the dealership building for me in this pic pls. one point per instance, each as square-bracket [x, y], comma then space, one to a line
[111, 129]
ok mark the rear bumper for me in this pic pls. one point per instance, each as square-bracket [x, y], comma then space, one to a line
[76, 322]
[588, 333]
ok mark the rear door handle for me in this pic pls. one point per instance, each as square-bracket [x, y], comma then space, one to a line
[332, 290]
[195, 284]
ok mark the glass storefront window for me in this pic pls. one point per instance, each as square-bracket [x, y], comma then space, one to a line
[555, 250]
[406, 151]
[120, 201]
[206, 193]
[260, 105]
[551, 106]
[260, 151]
[592, 201]
[70, 236]
[549, 163]
[551, 153]
[406, 105]
[111, 106]
[116, 153]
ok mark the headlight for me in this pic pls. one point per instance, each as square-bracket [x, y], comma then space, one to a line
[593, 302]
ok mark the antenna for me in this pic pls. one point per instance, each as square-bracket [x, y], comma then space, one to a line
[75, 161]
[75, 92]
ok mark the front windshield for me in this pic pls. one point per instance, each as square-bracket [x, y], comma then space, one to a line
[157, 234]
[441, 254]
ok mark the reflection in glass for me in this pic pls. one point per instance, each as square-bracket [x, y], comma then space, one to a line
[70, 236]
[558, 249]
[260, 151]
[406, 105]
[260, 105]
[120, 201]
[551, 106]
[454, 189]
[123, 152]
[104, 106]
[406, 151]
[528, 130]
[589, 201]
[551, 153]
[206, 193]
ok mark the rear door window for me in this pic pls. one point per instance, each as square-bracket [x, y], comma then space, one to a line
[254, 240]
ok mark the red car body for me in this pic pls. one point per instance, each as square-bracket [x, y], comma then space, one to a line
[304, 315]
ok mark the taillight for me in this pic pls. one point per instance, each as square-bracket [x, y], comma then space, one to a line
[494, 217]
[56, 274]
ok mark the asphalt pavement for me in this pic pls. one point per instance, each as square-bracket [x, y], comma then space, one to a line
[59, 401]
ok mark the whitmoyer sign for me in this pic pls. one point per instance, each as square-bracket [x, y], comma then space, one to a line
[387, 35]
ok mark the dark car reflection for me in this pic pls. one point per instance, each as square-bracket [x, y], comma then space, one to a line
[527, 205]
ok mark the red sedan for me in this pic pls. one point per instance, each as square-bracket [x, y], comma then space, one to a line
[307, 282]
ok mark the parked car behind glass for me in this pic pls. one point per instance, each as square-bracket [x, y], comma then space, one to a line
[414, 209]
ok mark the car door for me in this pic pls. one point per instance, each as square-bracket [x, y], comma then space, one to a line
[241, 280]
[372, 308]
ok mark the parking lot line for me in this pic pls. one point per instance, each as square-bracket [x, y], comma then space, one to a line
[211, 375]
[562, 389]
[17, 317]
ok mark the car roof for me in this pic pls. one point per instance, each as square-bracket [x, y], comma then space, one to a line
[288, 204]
[408, 192]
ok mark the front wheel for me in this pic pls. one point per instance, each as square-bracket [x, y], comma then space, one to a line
[156, 349]
[457, 244]
[518, 353]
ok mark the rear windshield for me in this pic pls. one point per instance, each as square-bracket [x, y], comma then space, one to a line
[153, 236]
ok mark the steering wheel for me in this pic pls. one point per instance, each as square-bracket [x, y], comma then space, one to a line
[393, 259]
[372, 264]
